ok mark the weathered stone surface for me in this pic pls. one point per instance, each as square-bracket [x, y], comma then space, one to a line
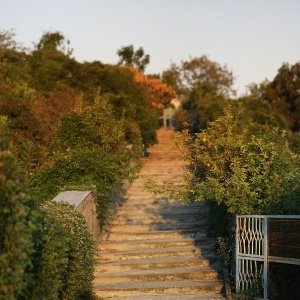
[84, 203]
[158, 248]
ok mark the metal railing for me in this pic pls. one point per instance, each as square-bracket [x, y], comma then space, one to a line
[254, 244]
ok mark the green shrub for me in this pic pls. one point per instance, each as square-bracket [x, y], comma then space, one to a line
[249, 174]
[17, 223]
[63, 266]
[238, 172]
[89, 149]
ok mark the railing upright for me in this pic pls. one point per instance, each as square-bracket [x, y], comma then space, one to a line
[266, 253]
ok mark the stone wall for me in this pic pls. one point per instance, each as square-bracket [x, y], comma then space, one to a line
[88, 209]
[85, 203]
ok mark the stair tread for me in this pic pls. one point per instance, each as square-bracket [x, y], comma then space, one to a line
[169, 249]
[175, 270]
[155, 284]
[160, 259]
[173, 297]
[159, 247]
[149, 241]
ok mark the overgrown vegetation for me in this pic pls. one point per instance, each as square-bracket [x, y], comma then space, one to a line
[45, 251]
[64, 125]
[70, 125]
[243, 154]
[17, 224]
[249, 174]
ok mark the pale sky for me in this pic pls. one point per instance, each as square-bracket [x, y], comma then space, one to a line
[252, 37]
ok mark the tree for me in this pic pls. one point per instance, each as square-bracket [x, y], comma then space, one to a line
[259, 115]
[172, 77]
[54, 42]
[7, 42]
[204, 105]
[130, 57]
[88, 151]
[13, 59]
[50, 62]
[204, 88]
[248, 174]
[157, 92]
[196, 71]
[128, 98]
[283, 93]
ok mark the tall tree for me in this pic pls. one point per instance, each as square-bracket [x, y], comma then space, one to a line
[204, 87]
[130, 57]
[50, 62]
[157, 92]
[197, 71]
[283, 93]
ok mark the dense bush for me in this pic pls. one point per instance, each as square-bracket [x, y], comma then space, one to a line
[45, 252]
[16, 224]
[64, 269]
[249, 174]
[88, 150]
[238, 172]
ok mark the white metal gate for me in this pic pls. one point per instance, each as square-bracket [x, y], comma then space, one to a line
[252, 252]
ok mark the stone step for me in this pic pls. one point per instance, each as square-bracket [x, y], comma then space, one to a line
[160, 203]
[191, 251]
[174, 274]
[158, 243]
[157, 226]
[210, 260]
[157, 172]
[161, 216]
[158, 248]
[135, 198]
[158, 176]
[159, 210]
[139, 196]
[157, 288]
[145, 235]
[165, 175]
[148, 219]
[173, 297]
[174, 161]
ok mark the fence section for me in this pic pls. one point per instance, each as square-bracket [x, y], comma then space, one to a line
[261, 239]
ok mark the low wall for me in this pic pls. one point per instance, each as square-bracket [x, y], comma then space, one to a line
[85, 203]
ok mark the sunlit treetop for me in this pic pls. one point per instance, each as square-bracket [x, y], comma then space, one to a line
[158, 93]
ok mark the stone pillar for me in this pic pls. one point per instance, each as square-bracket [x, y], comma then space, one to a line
[84, 202]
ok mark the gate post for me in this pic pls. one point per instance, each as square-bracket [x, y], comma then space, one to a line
[266, 263]
[236, 254]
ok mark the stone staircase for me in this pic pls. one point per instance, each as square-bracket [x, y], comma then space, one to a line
[158, 247]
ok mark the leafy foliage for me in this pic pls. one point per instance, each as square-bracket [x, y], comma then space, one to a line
[137, 58]
[50, 63]
[16, 224]
[46, 253]
[249, 174]
[65, 269]
[204, 105]
[89, 149]
[157, 92]
[199, 70]
[283, 93]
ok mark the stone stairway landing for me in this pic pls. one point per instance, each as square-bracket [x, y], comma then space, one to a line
[159, 248]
